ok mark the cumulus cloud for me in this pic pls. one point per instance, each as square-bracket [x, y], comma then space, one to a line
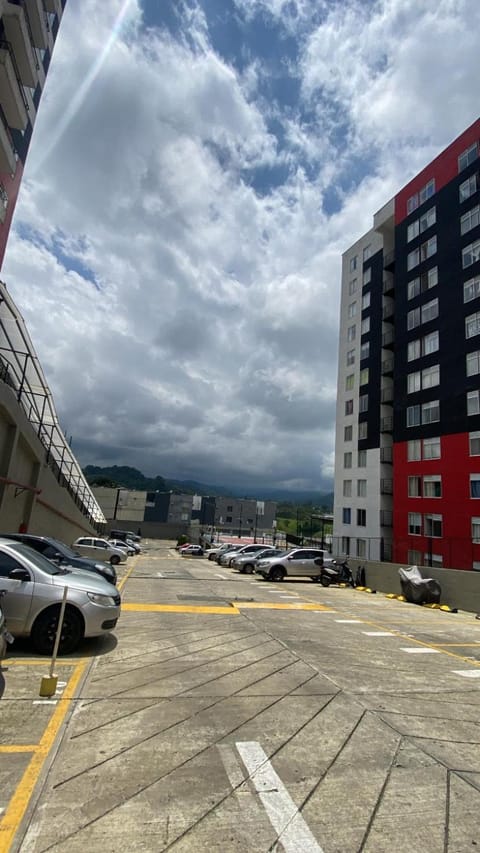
[177, 243]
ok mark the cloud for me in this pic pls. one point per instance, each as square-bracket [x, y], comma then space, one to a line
[177, 243]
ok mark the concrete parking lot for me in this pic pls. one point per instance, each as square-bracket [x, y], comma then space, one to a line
[231, 714]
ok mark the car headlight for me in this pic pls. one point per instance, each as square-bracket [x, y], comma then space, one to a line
[105, 600]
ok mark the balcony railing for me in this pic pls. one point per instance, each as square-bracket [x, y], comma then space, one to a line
[388, 339]
[386, 424]
[386, 487]
[387, 367]
[386, 455]
[388, 283]
[389, 260]
[386, 518]
[386, 395]
[388, 313]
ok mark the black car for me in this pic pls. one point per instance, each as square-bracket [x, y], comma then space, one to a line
[62, 555]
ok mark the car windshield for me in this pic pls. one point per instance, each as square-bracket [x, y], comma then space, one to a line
[37, 559]
[277, 554]
[62, 548]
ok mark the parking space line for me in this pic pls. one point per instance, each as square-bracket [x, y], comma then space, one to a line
[18, 747]
[179, 608]
[467, 673]
[426, 651]
[15, 811]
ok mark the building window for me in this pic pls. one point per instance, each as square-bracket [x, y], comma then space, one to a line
[350, 357]
[472, 325]
[423, 282]
[367, 276]
[367, 252]
[413, 259]
[366, 300]
[361, 488]
[473, 363]
[414, 350]
[352, 286]
[347, 460]
[364, 350]
[474, 443]
[431, 448]
[413, 416]
[430, 343]
[353, 263]
[351, 333]
[427, 191]
[435, 561]
[429, 310]
[470, 219]
[414, 382]
[361, 548]
[428, 248]
[412, 203]
[414, 558]
[346, 515]
[431, 376]
[413, 318]
[473, 403]
[349, 407]
[365, 325]
[362, 459]
[363, 403]
[420, 225]
[468, 156]
[431, 412]
[364, 376]
[228, 519]
[475, 485]
[471, 254]
[347, 488]
[349, 381]
[413, 230]
[471, 289]
[414, 487]
[476, 530]
[362, 430]
[415, 524]
[229, 508]
[345, 544]
[468, 188]
[414, 450]
[348, 433]
[352, 310]
[432, 486]
[432, 525]
[361, 517]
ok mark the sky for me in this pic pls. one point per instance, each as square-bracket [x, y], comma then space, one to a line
[197, 169]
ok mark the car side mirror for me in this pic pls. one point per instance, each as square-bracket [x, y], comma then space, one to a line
[318, 561]
[19, 575]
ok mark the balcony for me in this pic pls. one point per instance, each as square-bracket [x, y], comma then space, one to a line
[386, 394]
[388, 313]
[386, 455]
[11, 92]
[38, 22]
[388, 339]
[18, 33]
[388, 283]
[54, 6]
[8, 159]
[389, 261]
[386, 424]
[386, 518]
[387, 367]
[3, 202]
[386, 487]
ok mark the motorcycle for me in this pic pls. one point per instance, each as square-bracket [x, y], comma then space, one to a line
[336, 571]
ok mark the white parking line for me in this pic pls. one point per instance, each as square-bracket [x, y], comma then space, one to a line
[349, 621]
[380, 634]
[467, 673]
[292, 830]
[159, 575]
[221, 576]
[413, 650]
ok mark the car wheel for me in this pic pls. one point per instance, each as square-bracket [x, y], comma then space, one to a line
[115, 559]
[248, 568]
[45, 628]
[211, 557]
[325, 581]
[277, 574]
[315, 578]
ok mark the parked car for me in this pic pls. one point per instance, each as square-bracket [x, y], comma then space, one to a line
[246, 563]
[35, 588]
[99, 549]
[62, 555]
[218, 549]
[226, 558]
[3, 629]
[122, 534]
[191, 551]
[298, 562]
[124, 546]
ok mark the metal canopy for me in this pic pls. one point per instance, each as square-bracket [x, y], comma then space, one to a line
[20, 368]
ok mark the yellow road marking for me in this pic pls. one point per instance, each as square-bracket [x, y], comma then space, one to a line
[129, 572]
[18, 805]
[20, 747]
[179, 608]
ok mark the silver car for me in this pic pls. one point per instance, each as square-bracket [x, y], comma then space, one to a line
[246, 563]
[3, 630]
[35, 588]
[298, 562]
[99, 549]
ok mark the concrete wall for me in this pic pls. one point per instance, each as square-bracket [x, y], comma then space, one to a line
[35, 498]
[459, 588]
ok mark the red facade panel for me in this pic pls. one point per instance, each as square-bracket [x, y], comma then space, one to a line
[456, 506]
[443, 169]
[12, 186]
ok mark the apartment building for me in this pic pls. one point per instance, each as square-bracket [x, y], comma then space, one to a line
[407, 470]
[28, 29]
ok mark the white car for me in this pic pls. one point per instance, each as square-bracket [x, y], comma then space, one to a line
[99, 549]
[124, 546]
[298, 562]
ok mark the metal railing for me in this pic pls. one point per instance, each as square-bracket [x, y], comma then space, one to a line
[5, 45]
[20, 369]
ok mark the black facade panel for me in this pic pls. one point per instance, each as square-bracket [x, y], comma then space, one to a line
[450, 323]
[373, 362]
